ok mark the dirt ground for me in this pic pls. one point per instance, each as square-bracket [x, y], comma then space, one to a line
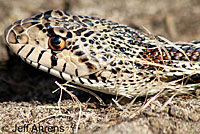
[26, 97]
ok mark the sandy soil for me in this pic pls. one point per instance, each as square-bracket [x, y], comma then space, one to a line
[26, 96]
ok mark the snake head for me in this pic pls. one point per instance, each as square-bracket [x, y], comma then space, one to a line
[61, 44]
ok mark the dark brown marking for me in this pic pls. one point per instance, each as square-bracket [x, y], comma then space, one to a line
[89, 81]
[59, 12]
[23, 39]
[83, 39]
[131, 80]
[103, 79]
[72, 78]
[76, 72]
[114, 71]
[66, 13]
[88, 33]
[47, 25]
[84, 59]
[64, 66]
[104, 59]
[99, 47]
[26, 25]
[38, 65]
[44, 30]
[62, 31]
[62, 76]
[69, 35]
[47, 14]
[30, 52]
[79, 53]
[20, 49]
[88, 22]
[40, 55]
[54, 60]
[75, 47]
[49, 70]
[91, 41]
[93, 77]
[78, 32]
[80, 80]
[18, 29]
[90, 66]
[51, 32]
[40, 26]
[38, 16]
[76, 18]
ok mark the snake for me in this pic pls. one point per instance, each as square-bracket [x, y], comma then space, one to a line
[105, 56]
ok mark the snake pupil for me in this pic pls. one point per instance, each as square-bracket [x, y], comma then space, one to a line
[55, 41]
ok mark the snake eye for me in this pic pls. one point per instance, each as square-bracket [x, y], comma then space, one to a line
[56, 43]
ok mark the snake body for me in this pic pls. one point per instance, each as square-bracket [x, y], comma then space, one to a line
[102, 55]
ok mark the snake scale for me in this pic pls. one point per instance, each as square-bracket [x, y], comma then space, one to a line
[105, 56]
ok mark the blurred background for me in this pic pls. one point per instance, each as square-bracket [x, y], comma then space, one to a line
[23, 88]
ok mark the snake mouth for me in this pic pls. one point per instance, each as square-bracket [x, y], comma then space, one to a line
[63, 75]
[49, 70]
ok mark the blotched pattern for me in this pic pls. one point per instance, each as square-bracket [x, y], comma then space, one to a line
[103, 55]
